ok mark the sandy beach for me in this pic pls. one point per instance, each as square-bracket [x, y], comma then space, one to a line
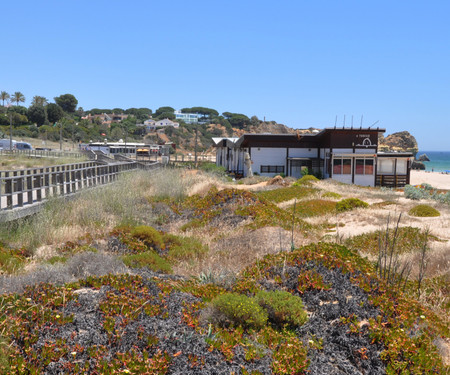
[435, 179]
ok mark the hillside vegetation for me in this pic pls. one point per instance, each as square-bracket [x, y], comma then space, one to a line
[185, 272]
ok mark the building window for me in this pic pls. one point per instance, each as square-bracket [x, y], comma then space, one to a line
[342, 166]
[272, 169]
[385, 166]
[364, 166]
[402, 166]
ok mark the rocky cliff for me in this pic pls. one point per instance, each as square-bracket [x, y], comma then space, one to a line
[400, 141]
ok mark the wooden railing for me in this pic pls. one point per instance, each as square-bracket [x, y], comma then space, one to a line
[44, 154]
[29, 186]
[393, 181]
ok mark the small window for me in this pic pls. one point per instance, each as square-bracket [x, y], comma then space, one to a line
[272, 169]
[364, 166]
[342, 166]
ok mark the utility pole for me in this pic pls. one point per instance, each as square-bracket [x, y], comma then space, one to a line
[10, 132]
[196, 137]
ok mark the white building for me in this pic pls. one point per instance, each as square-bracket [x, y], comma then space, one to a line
[347, 155]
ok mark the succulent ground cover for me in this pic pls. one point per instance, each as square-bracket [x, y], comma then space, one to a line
[149, 322]
[318, 309]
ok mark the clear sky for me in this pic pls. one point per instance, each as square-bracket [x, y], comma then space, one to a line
[299, 62]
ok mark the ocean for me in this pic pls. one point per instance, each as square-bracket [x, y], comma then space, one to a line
[439, 160]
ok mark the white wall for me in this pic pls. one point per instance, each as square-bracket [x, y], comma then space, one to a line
[365, 180]
[302, 153]
[267, 156]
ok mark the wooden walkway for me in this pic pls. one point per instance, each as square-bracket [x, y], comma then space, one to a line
[23, 191]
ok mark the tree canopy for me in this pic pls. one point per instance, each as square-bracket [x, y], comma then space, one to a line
[205, 112]
[39, 100]
[54, 112]
[237, 120]
[36, 114]
[4, 96]
[18, 97]
[67, 102]
[162, 112]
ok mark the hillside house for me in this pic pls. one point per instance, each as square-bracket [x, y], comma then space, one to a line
[167, 122]
[344, 154]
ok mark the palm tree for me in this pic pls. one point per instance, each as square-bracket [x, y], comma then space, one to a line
[4, 96]
[39, 100]
[18, 97]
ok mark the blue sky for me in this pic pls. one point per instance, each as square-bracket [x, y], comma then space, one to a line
[301, 63]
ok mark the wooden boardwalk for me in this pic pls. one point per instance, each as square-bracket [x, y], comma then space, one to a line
[23, 191]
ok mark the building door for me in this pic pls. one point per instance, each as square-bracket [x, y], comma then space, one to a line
[297, 166]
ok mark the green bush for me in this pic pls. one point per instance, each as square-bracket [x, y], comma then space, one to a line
[306, 179]
[235, 310]
[149, 236]
[330, 194]
[148, 259]
[350, 204]
[423, 210]
[282, 307]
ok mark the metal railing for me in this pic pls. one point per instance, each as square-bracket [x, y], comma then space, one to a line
[29, 186]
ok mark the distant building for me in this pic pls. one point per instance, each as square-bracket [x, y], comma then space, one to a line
[347, 155]
[188, 118]
[106, 118]
[167, 122]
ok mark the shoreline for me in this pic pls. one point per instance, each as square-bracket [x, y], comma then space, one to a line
[438, 180]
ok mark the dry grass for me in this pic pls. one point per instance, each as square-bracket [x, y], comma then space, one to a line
[8, 162]
[95, 211]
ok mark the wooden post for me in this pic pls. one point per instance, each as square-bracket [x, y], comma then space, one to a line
[8, 190]
[19, 188]
[30, 176]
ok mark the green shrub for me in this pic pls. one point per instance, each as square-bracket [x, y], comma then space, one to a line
[350, 204]
[149, 236]
[282, 307]
[148, 259]
[330, 194]
[423, 210]
[235, 310]
[306, 179]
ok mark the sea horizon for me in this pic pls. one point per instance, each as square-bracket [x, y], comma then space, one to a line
[439, 160]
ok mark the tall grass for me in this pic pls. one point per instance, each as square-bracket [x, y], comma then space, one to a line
[10, 162]
[95, 210]
[172, 183]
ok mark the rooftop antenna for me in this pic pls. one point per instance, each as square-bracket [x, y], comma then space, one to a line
[361, 122]
[352, 121]
[376, 122]
[335, 122]
[344, 123]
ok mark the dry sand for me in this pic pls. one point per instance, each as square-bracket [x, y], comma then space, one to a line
[435, 179]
